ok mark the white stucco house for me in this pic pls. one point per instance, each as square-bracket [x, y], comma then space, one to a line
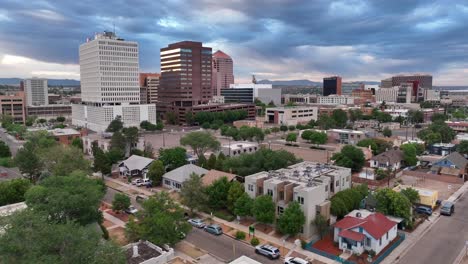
[361, 232]
[135, 166]
[175, 178]
[390, 159]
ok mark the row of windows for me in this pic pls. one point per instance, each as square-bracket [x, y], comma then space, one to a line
[128, 69]
[118, 43]
[303, 115]
[117, 89]
[121, 54]
[109, 73]
[118, 48]
[109, 63]
[112, 84]
[120, 94]
[119, 79]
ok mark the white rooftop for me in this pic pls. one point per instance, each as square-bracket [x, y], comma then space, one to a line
[136, 162]
[244, 260]
[64, 131]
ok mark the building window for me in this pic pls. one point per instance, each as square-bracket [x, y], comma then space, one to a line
[270, 192]
[300, 200]
[250, 187]
[167, 182]
[280, 210]
[337, 183]
[326, 188]
[380, 241]
[387, 235]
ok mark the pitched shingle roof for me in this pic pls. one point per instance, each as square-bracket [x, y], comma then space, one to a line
[457, 159]
[183, 173]
[375, 224]
[356, 236]
[392, 156]
[136, 162]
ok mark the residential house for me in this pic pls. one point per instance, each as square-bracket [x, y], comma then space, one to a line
[65, 135]
[345, 136]
[214, 175]
[135, 166]
[373, 231]
[237, 148]
[175, 178]
[310, 184]
[390, 159]
[454, 164]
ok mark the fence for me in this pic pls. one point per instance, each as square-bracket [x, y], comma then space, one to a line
[389, 250]
[326, 254]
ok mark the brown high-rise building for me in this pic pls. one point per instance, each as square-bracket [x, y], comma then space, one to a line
[332, 85]
[223, 74]
[149, 87]
[424, 80]
[185, 75]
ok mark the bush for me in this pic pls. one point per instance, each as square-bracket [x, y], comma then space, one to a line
[105, 233]
[206, 125]
[224, 216]
[240, 235]
[303, 243]
[254, 241]
[7, 162]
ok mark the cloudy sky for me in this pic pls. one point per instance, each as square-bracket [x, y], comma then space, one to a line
[273, 39]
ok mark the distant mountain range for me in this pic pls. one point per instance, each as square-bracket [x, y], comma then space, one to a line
[51, 82]
[305, 82]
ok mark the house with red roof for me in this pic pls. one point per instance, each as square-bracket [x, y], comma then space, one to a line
[361, 232]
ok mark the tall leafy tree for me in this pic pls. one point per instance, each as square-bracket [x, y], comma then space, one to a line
[411, 194]
[193, 193]
[155, 172]
[131, 136]
[29, 163]
[350, 157]
[115, 125]
[218, 193]
[390, 202]
[102, 162]
[409, 154]
[66, 198]
[161, 221]
[61, 160]
[264, 209]
[118, 143]
[387, 132]
[200, 142]
[211, 163]
[120, 202]
[4, 150]
[235, 192]
[340, 117]
[321, 224]
[31, 238]
[12, 191]
[173, 158]
[291, 137]
[292, 219]
[462, 148]
[244, 205]
[318, 138]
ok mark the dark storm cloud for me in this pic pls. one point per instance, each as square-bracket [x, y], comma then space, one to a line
[347, 37]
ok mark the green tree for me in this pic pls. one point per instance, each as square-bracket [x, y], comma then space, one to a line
[118, 143]
[394, 203]
[189, 118]
[275, 129]
[264, 209]
[218, 193]
[355, 115]
[350, 157]
[438, 117]
[29, 163]
[4, 150]
[377, 145]
[155, 172]
[462, 148]
[115, 125]
[416, 116]
[200, 142]
[61, 160]
[292, 219]
[244, 205]
[409, 154]
[307, 134]
[326, 122]
[131, 136]
[193, 193]
[121, 202]
[102, 162]
[173, 158]
[321, 224]
[411, 194]
[284, 128]
[31, 238]
[318, 138]
[235, 192]
[387, 132]
[171, 118]
[211, 163]
[291, 137]
[340, 117]
[12, 191]
[161, 221]
[77, 143]
[291, 128]
[61, 119]
[66, 198]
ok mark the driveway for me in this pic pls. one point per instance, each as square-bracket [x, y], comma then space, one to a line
[224, 247]
[444, 241]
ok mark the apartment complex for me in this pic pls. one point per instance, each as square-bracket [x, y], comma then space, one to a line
[335, 100]
[223, 72]
[110, 87]
[311, 184]
[332, 85]
[36, 91]
[12, 104]
[291, 115]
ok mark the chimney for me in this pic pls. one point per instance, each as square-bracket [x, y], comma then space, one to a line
[135, 251]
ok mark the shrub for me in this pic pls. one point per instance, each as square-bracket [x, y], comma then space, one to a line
[224, 216]
[254, 241]
[240, 235]
[105, 233]
[303, 243]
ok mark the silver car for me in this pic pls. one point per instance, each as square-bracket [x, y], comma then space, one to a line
[268, 251]
[197, 222]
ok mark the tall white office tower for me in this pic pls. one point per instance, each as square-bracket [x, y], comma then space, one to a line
[110, 87]
[36, 92]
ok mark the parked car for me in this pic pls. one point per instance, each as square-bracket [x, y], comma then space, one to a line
[131, 210]
[448, 208]
[137, 181]
[144, 182]
[268, 251]
[214, 229]
[423, 210]
[196, 222]
[291, 260]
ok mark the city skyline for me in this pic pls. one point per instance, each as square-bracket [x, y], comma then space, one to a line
[283, 40]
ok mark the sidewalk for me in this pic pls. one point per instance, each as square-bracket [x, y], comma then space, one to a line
[412, 238]
[125, 187]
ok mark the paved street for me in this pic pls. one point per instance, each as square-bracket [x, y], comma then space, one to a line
[223, 246]
[444, 241]
[13, 144]
[109, 196]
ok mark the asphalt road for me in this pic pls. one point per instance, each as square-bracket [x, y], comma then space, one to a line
[444, 241]
[224, 247]
[109, 197]
[14, 146]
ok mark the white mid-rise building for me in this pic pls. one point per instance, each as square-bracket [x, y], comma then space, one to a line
[386, 94]
[36, 92]
[335, 100]
[310, 184]
[109, 71]
[291, 115]
[263, 92]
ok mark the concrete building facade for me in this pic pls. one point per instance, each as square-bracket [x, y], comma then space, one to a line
[12, 104]
[311, 184]
[36, 91]
[263, 92]
[291, 115]
[335, 100]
